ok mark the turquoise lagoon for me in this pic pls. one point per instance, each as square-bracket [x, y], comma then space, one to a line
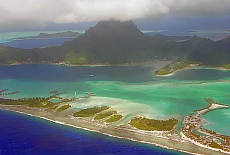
[130, 90]
[9, 36]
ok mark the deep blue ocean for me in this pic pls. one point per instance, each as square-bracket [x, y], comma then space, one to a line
[55, 73]
[21, 134]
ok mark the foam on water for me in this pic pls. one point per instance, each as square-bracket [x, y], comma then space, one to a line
[160, 98]
[123, 107]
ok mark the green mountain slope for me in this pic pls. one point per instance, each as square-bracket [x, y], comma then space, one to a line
[116, 42]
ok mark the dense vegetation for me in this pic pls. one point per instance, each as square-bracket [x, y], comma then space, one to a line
[152, 124]
[171, 68]
[35, 102]
[215, 145]
[72, 58]
[227, 66]
[114, 118]
[5, 101]
[64, 107]
[104, 115]
[67, 34]
[90, 111]
[115, 42]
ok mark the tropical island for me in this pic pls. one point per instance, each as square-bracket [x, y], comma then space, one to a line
[107, 120]
[67, 34]
[193, 129]
[172, 68]
[226, 66]
[114, 42]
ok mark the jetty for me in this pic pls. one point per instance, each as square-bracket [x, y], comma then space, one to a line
[3, 90]
[213, 105]
[9, 93]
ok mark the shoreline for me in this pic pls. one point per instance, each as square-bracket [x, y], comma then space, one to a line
[157, 64]
[133, 135]
[150, 63]
[192, 67]
[174, 72]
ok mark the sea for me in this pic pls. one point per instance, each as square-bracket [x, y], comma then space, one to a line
[132, 90]
[23, 40]
[21, 134]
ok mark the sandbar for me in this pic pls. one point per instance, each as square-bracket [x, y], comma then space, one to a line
[115, 131]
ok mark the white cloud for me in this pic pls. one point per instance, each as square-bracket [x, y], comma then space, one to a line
[200, 7]
[35, 13]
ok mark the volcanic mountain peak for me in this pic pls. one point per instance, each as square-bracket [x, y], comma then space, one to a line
[113, 27]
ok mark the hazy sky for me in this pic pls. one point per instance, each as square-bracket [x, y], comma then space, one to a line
[36, 14]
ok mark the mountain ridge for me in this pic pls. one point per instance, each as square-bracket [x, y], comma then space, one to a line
[117, 42]
[66, 34]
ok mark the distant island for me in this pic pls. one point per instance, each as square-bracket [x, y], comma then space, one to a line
[173, 67]
[67, 34]
[192, 31]
[115, 42]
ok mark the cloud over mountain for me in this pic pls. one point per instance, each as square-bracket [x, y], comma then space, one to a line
[35, 13]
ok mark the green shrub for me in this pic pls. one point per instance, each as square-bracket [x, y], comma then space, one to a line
[152, 124]
[104, 115]
[64, 107]
[114, 118]
[72, 58]
[90, 111]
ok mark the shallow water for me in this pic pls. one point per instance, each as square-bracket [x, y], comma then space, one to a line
[130, 90]
[21, 134]
[133, 88]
